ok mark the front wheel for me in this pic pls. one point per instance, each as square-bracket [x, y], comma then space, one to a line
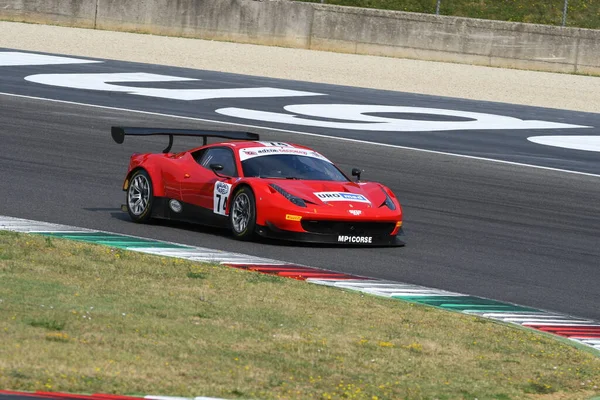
[140, 196]
[242, 214]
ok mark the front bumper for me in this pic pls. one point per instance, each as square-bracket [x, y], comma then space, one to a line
[364, 239]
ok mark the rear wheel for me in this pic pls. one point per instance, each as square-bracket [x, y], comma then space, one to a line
[140, 196]
[242, 214]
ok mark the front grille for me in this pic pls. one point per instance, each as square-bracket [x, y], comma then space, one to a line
[348, 228]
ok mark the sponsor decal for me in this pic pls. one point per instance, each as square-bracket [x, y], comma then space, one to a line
[355, 212]
[267, 151]
[291, 217]
[341, 196]
[175, 205]
[222, 188]
[355, 239]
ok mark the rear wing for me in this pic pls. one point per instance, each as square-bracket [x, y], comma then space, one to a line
[118, 134]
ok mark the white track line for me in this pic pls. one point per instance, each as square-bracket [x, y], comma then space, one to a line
[307, 134]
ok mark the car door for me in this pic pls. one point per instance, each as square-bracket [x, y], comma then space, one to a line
[202, 187]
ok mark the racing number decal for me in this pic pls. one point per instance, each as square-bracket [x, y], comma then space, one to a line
[275, 144]
[220, 197]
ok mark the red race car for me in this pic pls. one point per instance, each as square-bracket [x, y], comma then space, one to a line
[272, 189]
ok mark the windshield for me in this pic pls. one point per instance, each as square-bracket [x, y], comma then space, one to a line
[288, 166]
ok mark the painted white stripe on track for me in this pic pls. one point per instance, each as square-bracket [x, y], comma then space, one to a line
[20, 226]
[373, 292]
[402, 291]
[194, 253]
[540, 314]
[376, 285]
[534, 316]
[306, 134]
[205, 254]
[392, 287]
[548, 321]
[425, 294]
[19, 58]
[414, 292]
[223, 259]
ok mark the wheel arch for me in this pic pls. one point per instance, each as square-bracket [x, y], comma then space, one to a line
[254, 191]
[158, 189]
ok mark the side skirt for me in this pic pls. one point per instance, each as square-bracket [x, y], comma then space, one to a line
[189, 213]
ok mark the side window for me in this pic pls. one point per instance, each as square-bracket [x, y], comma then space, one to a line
[198, 155]
[218, 155]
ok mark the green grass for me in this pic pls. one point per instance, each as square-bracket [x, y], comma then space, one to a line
[88, 319]
[581, 13]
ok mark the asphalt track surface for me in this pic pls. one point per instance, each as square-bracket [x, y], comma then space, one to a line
[508, 232]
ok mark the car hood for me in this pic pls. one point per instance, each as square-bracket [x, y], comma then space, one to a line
[327, 193]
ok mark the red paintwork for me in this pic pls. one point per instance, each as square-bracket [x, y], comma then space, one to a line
[179, 176]
[298, 272]
[573, 331]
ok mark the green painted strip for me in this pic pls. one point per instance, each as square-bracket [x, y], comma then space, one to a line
[461, 303]
[114, 240]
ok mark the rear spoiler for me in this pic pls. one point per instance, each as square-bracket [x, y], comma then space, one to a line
[118, 134]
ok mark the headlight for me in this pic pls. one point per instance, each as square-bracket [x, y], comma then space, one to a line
[388, 201]
[296, 200]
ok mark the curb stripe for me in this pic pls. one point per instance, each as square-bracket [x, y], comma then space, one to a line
[578, 329]
[297, 272]
[581, 330]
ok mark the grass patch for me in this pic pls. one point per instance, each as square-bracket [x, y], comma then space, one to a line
[196, 275]
[47, 323]
[580, 13]
[257, 277]
[134, 323]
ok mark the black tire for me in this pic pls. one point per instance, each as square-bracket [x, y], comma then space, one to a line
[242, 214]
[140, 197]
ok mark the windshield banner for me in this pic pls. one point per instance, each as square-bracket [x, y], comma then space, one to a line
[252, 152]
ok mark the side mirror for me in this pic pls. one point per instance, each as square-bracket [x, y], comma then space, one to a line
[216, 168]
[356, 172]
